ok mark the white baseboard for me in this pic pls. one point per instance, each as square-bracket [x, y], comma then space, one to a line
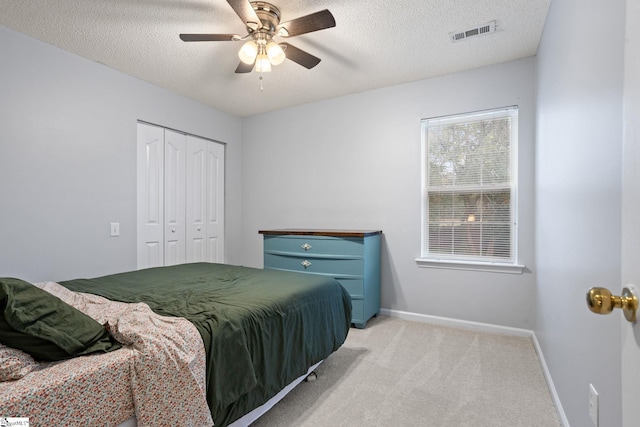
[552, 387]
[495, 329]
[456, 323]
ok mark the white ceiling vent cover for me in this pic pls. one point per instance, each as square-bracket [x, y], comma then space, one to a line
[482, 30]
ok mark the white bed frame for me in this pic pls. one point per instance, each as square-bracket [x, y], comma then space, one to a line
[247, 419]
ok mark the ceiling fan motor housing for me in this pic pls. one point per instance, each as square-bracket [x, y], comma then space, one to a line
[269, 16]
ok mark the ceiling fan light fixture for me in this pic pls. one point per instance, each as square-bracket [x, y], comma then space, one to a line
[275, 53]
[262, 64]
[248, 52]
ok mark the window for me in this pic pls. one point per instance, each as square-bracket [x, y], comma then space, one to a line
[469, 187]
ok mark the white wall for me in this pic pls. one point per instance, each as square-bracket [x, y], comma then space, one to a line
[68, 159]
[354, 162]
[578, 211]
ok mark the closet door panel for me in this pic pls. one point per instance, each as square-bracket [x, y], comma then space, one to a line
[196, 200]
[150, 189]
[150, 255]
[215, 202]
[174, 193]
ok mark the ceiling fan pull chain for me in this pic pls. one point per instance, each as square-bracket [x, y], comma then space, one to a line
[261, 88]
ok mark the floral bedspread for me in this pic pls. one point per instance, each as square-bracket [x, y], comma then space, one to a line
[158, 375]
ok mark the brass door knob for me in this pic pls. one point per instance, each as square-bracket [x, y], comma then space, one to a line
[601, 301]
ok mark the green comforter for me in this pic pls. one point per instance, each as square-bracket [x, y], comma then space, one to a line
[261, 328]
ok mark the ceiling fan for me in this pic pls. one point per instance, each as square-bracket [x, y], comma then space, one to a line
[262, 20]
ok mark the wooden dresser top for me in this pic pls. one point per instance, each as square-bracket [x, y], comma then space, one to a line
[320, 232]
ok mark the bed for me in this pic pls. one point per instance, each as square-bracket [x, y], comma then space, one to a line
[257, 331]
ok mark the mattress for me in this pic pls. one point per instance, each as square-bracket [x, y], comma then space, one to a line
[68, 391]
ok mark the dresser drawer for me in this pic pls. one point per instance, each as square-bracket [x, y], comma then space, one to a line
[334, 267]
[314, 245]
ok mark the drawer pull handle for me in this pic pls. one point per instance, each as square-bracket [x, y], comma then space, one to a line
[306, 246]
[305, 264]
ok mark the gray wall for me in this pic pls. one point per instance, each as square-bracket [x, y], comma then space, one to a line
[67, 169]
[354, 162]
[578, 211]
[68, 160]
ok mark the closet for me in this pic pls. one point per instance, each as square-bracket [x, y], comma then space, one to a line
[180, 192]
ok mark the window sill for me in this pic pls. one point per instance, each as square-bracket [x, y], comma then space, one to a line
[494, 267]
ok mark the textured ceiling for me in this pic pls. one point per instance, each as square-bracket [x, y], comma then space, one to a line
[375, 43]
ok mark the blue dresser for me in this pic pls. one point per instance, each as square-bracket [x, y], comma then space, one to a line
[350, 256]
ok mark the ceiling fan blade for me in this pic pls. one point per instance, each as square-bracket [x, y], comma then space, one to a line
[244, 68]
[299, 56]
[245, 11]
[208, 37]
[307, 24]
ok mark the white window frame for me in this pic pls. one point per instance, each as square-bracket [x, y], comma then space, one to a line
[461, 262]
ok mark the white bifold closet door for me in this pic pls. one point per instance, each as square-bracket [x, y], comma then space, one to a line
[180, 198]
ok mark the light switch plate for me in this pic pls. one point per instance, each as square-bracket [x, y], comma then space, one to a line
[115, 229]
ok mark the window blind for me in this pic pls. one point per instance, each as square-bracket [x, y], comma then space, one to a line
[469, 186]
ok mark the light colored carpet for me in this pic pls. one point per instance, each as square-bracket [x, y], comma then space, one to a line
[401, 373]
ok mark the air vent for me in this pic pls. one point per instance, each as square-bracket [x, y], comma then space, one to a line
[482, 30]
